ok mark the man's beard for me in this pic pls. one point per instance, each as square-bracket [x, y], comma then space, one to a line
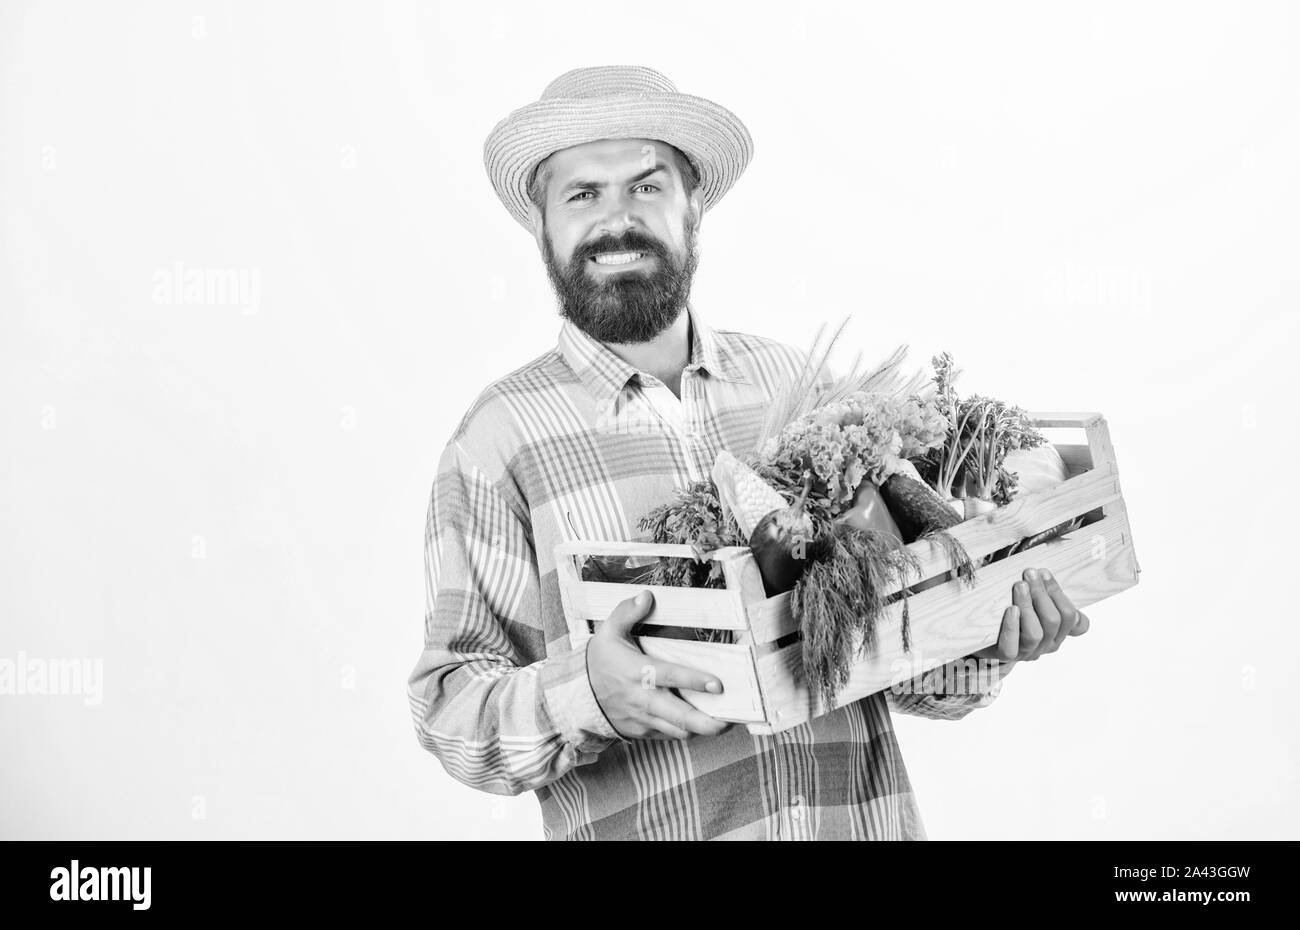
[623, 306]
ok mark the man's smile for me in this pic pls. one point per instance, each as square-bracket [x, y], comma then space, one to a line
[618, 258]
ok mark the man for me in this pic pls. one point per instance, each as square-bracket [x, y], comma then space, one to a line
[612, 172]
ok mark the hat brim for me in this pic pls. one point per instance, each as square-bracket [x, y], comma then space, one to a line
[712, 136]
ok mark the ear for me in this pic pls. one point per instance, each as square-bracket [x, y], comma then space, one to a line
[539, 226]
[696, 201]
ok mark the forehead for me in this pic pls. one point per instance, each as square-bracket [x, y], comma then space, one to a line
[609, 157]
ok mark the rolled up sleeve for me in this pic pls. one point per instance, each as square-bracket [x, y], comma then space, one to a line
[951, 691]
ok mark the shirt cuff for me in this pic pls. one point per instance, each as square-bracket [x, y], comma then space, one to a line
[951, 691]
[974, 682]
[572, 703]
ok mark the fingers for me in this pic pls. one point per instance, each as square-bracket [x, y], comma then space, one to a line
[1009, 635]
[671, 675]
[658, 728]
[671, 715]
[1064, 606]
[1041, 615]
[1049, 617]
[659, 734]
[1031, 632]
[1006, 647]
[628, 614]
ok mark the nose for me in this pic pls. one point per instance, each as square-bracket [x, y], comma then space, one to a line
[618, 217]
[617, 223]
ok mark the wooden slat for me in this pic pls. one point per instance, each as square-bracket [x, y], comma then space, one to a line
[770, 619]
[952, 621]
[1023, 517]
[741, 575]
[1102, 452]
[740, 700]
[575, 547]
[1099, 444]
[1056, 420]
[567, 575]
[706, 608]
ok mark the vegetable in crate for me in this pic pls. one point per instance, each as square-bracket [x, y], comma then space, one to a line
[917, 508]
[829, 498]
[981, 433]
[856, 447]
[1034, 469]
[989, 443]
[693, 518]
[779, 535]
[866, 439]
[870, 512]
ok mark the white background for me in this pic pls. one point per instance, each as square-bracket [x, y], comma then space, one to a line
[1092, 207]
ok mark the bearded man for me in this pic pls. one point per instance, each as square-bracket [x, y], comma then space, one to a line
[612, 171]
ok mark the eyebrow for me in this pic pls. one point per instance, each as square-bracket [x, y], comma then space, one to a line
[582, 184]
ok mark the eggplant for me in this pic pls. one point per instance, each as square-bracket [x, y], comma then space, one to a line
[780, 544]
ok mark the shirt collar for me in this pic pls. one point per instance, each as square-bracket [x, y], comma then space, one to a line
[605, 374]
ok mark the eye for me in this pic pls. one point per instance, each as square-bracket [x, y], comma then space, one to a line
[580, 194]
[650, 186]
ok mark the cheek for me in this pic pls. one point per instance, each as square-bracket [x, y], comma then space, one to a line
[563, 242]
[672, 226]
[679, 237]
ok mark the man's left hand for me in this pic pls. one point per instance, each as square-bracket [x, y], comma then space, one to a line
[1039, 619]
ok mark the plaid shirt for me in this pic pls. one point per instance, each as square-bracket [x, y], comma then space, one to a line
[579, 444]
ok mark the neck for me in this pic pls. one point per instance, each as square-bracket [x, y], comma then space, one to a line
[664, 356]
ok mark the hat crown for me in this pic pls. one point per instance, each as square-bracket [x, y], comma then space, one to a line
[613, 102]
[608, 81]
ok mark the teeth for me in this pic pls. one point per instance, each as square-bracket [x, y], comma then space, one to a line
[617, 258]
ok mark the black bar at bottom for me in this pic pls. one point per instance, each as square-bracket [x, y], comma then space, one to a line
[640, 881]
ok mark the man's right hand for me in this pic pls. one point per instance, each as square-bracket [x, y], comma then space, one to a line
[632, 688]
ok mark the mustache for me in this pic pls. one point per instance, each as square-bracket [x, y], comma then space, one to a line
[630, 241]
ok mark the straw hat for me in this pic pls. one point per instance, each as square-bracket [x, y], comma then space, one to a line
[615, 102]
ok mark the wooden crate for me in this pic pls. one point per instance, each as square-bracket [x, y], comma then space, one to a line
[761, 672]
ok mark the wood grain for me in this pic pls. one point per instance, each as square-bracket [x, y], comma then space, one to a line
[771, 618]
[1063, 420]
[702, 608]
[740, 700]
[574, 547]
[950, 622]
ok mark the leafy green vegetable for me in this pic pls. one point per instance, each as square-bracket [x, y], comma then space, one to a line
[980, 433]
[694, 518]
[862, 436]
